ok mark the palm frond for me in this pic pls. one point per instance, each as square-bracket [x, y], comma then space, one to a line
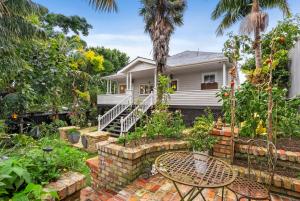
[283, 5]
[104, 5]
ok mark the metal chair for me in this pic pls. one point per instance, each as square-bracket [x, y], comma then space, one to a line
[247, 186]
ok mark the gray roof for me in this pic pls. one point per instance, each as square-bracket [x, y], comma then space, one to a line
[193, 57]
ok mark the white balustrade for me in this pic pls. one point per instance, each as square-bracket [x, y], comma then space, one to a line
[136, 114]
[114, 112]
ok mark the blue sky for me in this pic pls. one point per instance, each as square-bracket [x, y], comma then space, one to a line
[125, 30]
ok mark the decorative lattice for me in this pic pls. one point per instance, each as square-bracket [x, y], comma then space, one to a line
[195, 169]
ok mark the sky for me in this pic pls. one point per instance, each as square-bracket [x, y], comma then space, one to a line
[124, 30]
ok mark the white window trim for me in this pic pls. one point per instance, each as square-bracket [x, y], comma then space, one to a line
[177, 83]
[140, 88]
[209, 73]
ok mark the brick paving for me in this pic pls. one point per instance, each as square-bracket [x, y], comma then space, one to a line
[158, 188]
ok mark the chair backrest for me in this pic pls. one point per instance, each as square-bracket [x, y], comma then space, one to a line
[262, 159]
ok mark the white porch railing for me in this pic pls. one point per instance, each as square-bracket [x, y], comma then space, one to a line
[114, 112]
[194, 98]
[135, 115]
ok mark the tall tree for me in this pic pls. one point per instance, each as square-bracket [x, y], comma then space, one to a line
[250, 12]
[161, 17]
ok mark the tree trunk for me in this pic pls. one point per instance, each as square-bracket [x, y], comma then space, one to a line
[257, 48]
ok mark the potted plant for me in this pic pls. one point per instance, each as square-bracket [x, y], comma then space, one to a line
[200, 139]
[73, 136]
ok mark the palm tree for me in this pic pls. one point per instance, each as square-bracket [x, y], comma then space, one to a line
[250, 12]
[104, 5]
[161, 17]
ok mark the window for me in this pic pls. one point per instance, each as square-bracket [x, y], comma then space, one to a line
[209, 78]
[174, 85]
[145, 89]
[122, 88]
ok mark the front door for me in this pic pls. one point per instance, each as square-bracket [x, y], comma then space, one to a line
[122, 88]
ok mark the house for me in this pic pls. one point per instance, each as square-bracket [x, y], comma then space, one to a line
[295, 71]
[195, 76]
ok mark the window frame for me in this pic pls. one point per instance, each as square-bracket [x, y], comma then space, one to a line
[209, 74]
[149, 86]
[177, 84]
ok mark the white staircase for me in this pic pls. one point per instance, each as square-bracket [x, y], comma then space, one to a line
[114, 112]
[136, 114]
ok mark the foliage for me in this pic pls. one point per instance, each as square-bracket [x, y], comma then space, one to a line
[114, 59]
[164, 88]
[251, 110]
[199, 138]
[288, 32]
[233, 11]
[52, 128]
[12, 177]
[161, 123]
[74, 23]
[34, 192]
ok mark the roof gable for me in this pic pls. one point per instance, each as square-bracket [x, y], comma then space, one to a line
[138, 64]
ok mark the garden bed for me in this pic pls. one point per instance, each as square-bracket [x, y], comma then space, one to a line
[280, 170]
[287, 144]
[145, 140]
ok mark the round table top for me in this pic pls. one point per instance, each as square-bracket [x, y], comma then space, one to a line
[195, 169]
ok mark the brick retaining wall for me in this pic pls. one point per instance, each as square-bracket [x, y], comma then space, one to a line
[118, 166]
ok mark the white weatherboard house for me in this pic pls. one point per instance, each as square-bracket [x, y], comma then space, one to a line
[295, 71]
[195, 76]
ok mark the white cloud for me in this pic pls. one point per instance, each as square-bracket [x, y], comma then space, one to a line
[140, 45]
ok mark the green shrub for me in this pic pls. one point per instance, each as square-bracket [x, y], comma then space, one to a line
[52, 128]
[34, 192]
[161, 123]
[199, 138]
[12, 177]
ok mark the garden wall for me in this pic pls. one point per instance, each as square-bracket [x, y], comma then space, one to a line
[286, 159]
[118, 166]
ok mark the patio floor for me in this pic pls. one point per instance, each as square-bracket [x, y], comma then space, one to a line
[158, 188]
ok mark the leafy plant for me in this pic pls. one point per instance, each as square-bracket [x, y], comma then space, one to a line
[161, 123]
[199, 138]
[12, 177]
[34, 192]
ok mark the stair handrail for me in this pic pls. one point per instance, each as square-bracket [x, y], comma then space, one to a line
[135, 115]
[114, 112]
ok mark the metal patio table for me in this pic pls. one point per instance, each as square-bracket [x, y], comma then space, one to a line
[194, 169]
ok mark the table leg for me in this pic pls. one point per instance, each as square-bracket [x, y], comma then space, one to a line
[190, 194]
[222, 193]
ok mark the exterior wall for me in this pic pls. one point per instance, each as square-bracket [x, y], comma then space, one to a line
[136, 88]
[193, 80]
[295, 71]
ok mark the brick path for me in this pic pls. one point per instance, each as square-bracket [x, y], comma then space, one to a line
[157, 188]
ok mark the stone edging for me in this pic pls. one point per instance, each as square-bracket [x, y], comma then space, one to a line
[67, 184]
[134, 153]
[260, 151]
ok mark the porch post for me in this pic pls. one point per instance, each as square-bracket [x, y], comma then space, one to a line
[224, 75]
[107, 86]
[130, 81]
[110, 86]
[127, 87]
